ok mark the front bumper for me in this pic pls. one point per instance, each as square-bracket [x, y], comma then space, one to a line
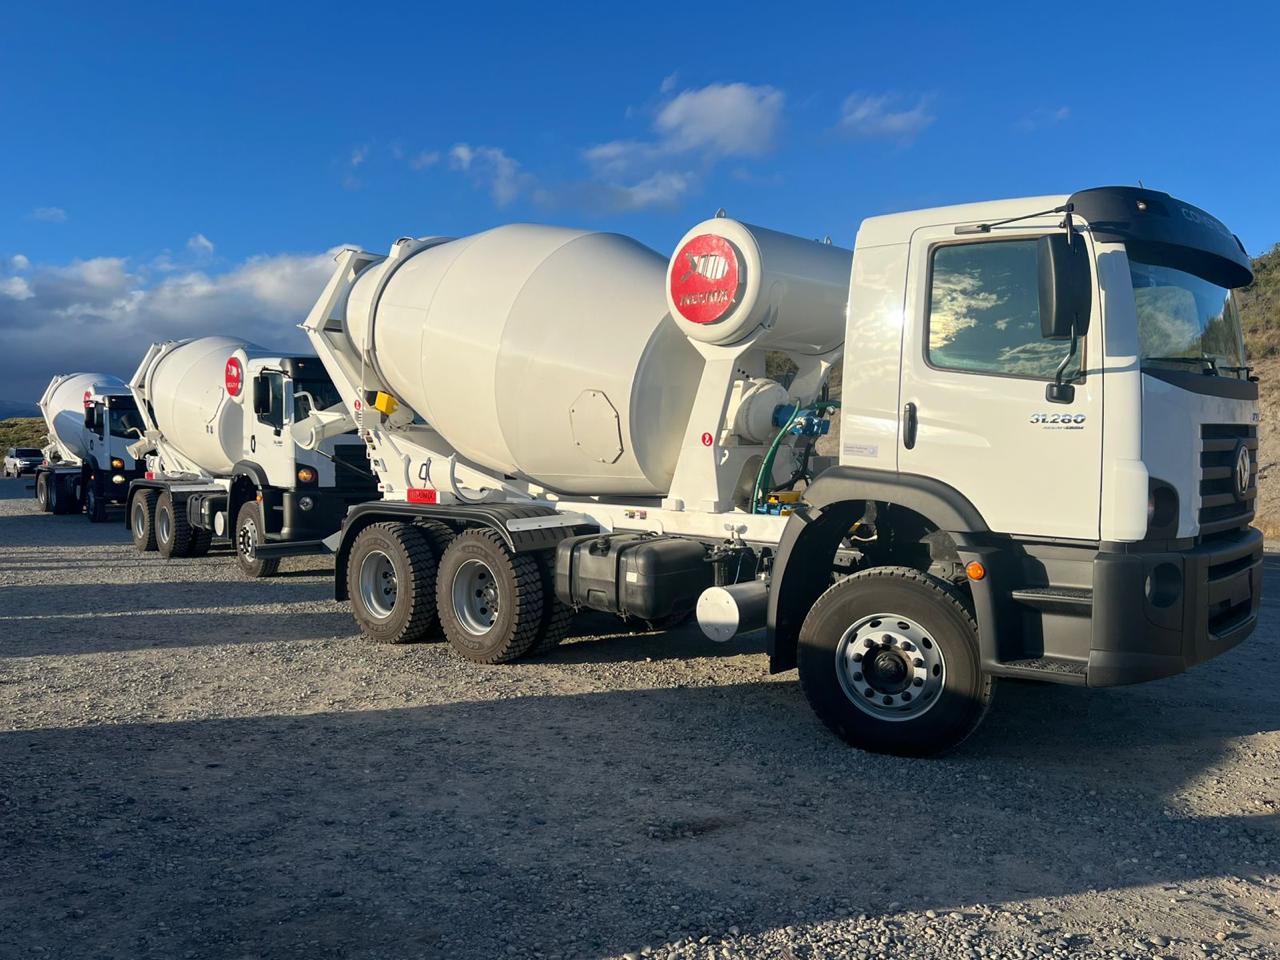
[1156, 614]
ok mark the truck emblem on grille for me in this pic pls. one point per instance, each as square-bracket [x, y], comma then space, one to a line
[1243, 469]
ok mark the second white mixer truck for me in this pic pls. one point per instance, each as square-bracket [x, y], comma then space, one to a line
[561, 419]
[243, 445]
[92, 419]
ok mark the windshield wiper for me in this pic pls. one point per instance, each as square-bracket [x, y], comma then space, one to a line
[1210, 363]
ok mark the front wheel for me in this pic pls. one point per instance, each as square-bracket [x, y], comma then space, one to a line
[250, 533]
[95, 504]
[889, 661]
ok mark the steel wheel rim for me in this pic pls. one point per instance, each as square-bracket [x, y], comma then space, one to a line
[164, 525]
[247, 540]
[139, 519]
[890, 667]
[378, 585]
[476, 598]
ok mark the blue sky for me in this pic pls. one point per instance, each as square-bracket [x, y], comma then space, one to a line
[173, 170]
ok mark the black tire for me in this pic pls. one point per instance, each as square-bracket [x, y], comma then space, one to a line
[173, 532]
[391, 580]
[557, 617]
[250, 531]
[201, 541]
[948, 707]
[95, 503]
[142, 519]
[438, 536]
[42, 493]
[60, 499]
[503, 623]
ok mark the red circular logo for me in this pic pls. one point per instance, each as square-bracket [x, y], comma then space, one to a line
[234, 377]
[705, 276]
[88, 399]
[708, 439]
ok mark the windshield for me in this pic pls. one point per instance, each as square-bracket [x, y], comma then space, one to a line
[27, 452]
[126, 422]
[323, 392]
[1185, 322]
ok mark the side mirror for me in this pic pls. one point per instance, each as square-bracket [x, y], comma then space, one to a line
[1066, 286]
[261, 396]
[88, 417]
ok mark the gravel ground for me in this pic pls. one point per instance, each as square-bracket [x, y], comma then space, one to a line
[195, 765]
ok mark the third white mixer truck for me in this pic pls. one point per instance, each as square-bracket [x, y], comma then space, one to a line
[92, 420]
[244, 445]
[1047, 457]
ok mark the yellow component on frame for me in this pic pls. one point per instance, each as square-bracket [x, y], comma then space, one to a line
[385, 403]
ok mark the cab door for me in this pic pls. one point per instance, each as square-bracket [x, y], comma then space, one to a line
[269, 440]
[974, 371]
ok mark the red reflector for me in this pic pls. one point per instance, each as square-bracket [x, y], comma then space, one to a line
[705, 276]
[423, 496]
[151, 474]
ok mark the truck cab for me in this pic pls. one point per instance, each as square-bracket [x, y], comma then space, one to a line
[111, 424]
[1087, 482]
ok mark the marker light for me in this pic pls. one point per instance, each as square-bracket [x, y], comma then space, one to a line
[306, 475]
[975, 570]
[117, 463]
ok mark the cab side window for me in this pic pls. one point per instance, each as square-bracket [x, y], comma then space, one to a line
[984, 312]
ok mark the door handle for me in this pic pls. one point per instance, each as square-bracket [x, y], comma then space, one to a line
[909, 423]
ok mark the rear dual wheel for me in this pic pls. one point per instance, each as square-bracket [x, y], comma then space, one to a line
[42, 493]
[142, 519]
[409, 581]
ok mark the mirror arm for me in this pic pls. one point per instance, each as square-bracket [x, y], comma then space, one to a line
[1059, 392]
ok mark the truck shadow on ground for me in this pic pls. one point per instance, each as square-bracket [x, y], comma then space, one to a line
[57, 636]
[592, 824]
[89, 599]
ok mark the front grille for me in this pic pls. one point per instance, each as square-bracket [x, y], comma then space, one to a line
[352, 472]
[1220, 508]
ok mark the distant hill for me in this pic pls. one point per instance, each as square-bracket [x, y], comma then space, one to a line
[21, 432]
[18, 408]
[1260, 306]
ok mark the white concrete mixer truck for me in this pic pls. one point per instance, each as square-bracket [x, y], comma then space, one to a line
[242, 445]
[561, 420]
[92, 420]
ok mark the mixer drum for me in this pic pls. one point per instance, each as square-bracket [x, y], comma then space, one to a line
[539, 352]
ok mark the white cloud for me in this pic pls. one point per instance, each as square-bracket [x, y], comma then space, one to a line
[492, 168]
[101, 314]
[18, 263]
[424, 159]
[200, 245]
[16, 288]
[669, 82]
[359, 155]
[726, 120]
[1043, 117]
[49, 215]
[883, 117]
[693, 131]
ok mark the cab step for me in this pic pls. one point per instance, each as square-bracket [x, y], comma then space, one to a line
[1072, 601]
[1051, 669]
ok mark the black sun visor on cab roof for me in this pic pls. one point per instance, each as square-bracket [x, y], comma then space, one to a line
[1165, 230]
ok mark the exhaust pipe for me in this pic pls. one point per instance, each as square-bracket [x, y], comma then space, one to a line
[725, 612]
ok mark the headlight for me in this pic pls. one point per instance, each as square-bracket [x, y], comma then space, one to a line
[117, 463]
[117, 479]
[306, 475]
[306, 503]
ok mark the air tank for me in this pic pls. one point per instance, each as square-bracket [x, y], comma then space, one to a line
[194, 393]
[63, 406]
[536, 351]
